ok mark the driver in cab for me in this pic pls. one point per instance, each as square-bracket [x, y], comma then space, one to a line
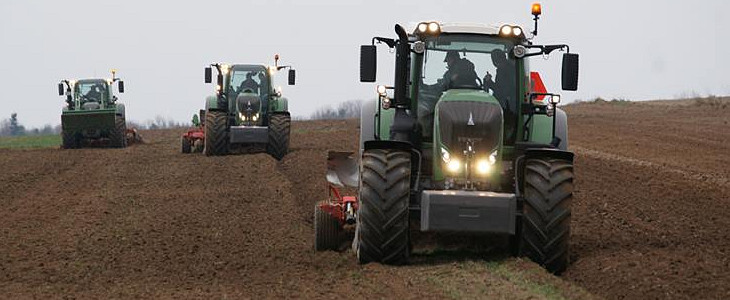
[460, 72]
[249, 84]
[94, 94]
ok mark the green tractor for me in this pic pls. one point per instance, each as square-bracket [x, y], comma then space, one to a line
[455, 149]
[247, 111]
[92, 116]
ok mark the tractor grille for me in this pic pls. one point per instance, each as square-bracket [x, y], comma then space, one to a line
[460, 121]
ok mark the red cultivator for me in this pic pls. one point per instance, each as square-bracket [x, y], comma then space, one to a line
[335, 218]
[194, 139]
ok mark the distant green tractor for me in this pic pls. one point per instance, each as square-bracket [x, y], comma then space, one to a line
[462, 142]
[92, 116]
[247, 111]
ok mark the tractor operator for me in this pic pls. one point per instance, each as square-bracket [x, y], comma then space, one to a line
[249, 84]
[460, 73]
[94, 94]
[503, 88]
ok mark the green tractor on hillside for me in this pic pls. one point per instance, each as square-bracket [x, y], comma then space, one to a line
[451, 148]
[92, 116]
[247, 111]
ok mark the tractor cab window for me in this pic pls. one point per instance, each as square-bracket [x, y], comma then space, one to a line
[253, 81]
[92, 92]
[467, 61]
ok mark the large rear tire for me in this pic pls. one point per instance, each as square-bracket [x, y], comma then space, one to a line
[216, 133]
[383, 222]
[545, 226]
[118, 135]
[327, 230]
[279, 128]
[186, 146]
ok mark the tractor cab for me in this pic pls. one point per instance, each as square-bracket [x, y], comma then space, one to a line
[246, 106]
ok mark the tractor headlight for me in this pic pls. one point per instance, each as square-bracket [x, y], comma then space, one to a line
[242, 116]
[445, 155]
[483, 166]
[434, 27]
[505, 30]
[516, 31]
[255, 117]
[422, 27]
[454, 165]
[493, 157]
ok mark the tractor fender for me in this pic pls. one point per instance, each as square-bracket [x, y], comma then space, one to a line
[561, 129]
[282, 105]
[549, 153]
[120, 110]
[367, 122]
[387, 144]
[285, 113]
[211, 103]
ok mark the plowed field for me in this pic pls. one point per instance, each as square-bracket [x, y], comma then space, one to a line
[650, 219]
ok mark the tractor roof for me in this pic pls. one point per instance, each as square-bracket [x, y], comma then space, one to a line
[475, 28]
[92, 80]
[248, 67]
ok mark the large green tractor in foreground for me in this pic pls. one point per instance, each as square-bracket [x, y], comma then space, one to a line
[247, 111]
[462, 143]
[92, 116]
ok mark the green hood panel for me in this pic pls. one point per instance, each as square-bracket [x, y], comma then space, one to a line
[471, 113]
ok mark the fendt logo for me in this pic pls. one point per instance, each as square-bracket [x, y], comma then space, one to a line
[471, 120]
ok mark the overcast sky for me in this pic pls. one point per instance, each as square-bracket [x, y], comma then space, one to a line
[638, 50]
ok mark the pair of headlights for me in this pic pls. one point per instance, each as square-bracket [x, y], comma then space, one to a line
[483, 165]
[254, 118]
[507, 30]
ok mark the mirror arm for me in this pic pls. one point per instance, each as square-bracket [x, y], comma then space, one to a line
[545, 49]
[381, 40]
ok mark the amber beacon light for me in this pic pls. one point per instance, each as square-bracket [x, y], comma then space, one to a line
[536, 9]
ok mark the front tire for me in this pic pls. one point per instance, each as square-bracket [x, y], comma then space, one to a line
[279, 128]
[383, 219]
[545, 226]
[216, 133]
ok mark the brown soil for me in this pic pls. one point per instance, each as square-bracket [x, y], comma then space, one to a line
[651, 216]
[148, 221]
[650, 219]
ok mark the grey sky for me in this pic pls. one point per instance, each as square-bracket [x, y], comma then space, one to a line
[629, 49]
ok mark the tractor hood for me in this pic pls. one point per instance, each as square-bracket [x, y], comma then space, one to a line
[466, 117]
[248, 107]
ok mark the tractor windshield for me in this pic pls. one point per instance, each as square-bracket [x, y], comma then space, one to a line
[253, 81]
[92, 91]
[467, 61]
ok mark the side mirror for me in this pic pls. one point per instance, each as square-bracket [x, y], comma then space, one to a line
[368, 63]
[60, 89]
[292, 76]
[208, 75]
[121, 86]
[570, 72]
